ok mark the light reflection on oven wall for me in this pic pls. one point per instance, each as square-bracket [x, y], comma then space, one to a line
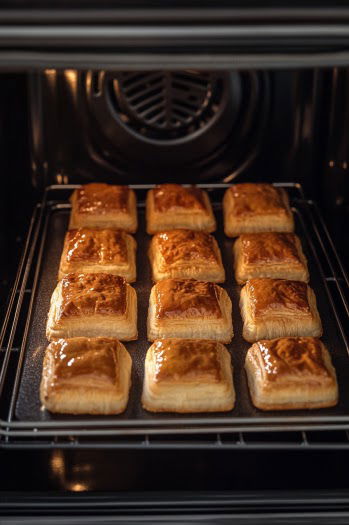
[70, 476]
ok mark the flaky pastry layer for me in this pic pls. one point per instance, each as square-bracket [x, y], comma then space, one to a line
[172, 206]
[186, 376]
[93, 305]
[189, 309]
[291, 373]
[99, 205]
[91, 250]
[252, 208]
[186, 254]
[86, 376]
[274, 255]
[273, 308]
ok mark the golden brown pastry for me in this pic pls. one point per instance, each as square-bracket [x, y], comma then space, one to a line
[93, 305]
[275, 255]
[188, 375]
[86, 376]
[89, 250]
[278, 308]
[291, 373]
[171, 206]
[189, 309]
[253, 208]
[186, 254]
[99, 205]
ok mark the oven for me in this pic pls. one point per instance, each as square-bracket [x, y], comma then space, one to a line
[140, 93]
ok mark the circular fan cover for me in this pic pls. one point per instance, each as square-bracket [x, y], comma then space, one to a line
[166, 105]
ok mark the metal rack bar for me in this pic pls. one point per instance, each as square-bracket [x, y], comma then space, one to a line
[18, 291]
[325, 281]
[28, 320]
[329, 262]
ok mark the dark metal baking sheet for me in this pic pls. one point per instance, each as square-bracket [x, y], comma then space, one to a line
[28, 408]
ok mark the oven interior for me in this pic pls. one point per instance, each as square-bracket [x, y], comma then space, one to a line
[60, 128]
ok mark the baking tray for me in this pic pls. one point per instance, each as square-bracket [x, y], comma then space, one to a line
[28, 411]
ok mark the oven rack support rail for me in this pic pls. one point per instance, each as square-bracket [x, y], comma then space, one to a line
[263, 436]
[265, 507]
[205, 34]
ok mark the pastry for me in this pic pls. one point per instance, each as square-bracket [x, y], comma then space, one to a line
[278, 308]
[189, 309]
[86, 376]
[99, 251]
[188, 375]
[171, 206]
[93, 305]
[275, 255]
[99, 205]
[186, 254]
[253, 208]
[291, 373]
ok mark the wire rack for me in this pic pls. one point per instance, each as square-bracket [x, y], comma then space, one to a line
[290, 432]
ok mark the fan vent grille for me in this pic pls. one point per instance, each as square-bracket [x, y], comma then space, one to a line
[166, 105]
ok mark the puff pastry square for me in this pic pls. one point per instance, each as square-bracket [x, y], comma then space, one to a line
[93, 305]
[278, 308]
[89, 250]
[99, 205]
[189, 309]
[253, 208]
[186, 254]
[291, 373]
[188, 375]
[275, 255]
[172, 206]
[86, 376]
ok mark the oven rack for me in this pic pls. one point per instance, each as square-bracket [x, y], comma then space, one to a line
[263, 435]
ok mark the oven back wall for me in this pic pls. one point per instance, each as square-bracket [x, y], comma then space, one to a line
[190, 125]
[145, 127]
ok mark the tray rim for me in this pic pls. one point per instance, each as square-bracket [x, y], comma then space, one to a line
[111, 425]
